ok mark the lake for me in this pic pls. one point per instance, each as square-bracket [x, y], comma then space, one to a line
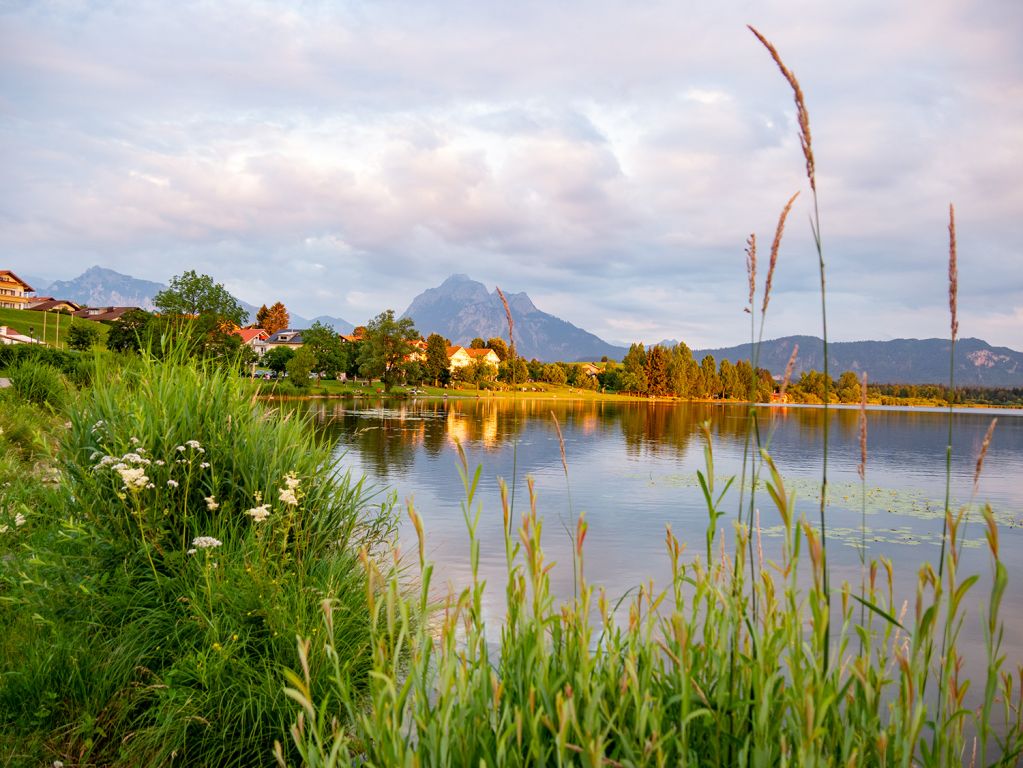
[632, 471]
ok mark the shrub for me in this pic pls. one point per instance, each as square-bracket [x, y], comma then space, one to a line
[39, 383]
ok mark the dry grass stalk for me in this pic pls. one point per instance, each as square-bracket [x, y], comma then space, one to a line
[862, 468]
[983, 452]
[953, 272]
[789, 367]
[751, 267]
[775, 245]
[508, 316]
[561, 442]
[801, 113]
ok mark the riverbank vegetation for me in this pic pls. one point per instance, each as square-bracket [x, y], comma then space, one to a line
[164, 538]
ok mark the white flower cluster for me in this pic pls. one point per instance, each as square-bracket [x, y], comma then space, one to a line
[289, 493]
[206, 542]
[260, 513]
[211, 504]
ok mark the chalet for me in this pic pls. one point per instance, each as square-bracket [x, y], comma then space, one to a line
[13, 290]
[104, 314]
[255, 338]
[459, 357]
[287, 338]
[50, 304]
[9, 336]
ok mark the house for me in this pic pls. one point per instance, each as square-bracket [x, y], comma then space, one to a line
[359, 334]
[13, 290]
[287, 338]
[9, 336]
[255, 338]
[459, 357]
[101, 314]
[418, 353]
[50, 304]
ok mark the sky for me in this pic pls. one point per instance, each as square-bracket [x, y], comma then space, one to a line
[608, 158]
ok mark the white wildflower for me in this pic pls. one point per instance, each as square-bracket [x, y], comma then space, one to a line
[92, 457]
[193, 444]
[134, 441]
[106, 461]
[291, 481]
[260, 513]
[204, 465]
[172, 483]
[119, 466]
[159, 462]
[191, 552]
[134, 478]
[180, 448]
[150, 486]
[206, 542]
[133, 458]
[211, 503]
[288, 497]
[19, 520]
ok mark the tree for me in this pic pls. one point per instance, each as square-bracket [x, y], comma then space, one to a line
[276, 319]
[729, 380]
[277, 358]
[81, 336]
[711, 380]
[477, 343]
[386, 347]
[513, 370]
[192, 295]
[131, 332]
[300, 366]
[436, 364]
[554, 374]
[634, 370]
[657, 371]
[327, 349]
[847, 388]
[261, 314]
[480, 372]
[500, 348]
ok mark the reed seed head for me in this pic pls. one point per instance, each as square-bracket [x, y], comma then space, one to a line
[775, 245]
[561, 443]
[751, 267]
[508, 316]
[983, 452]
[789, 367]
[801, 113]
[953, 272]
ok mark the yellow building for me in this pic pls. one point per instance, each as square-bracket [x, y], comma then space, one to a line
[13, 290]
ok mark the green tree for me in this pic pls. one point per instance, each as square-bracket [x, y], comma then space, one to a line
[477, 343]
[300, 366]
[848, 388]
[709, 374]
[193, 295]
[326, 347]
[436, 365]
[634, 370]
[480, 372]
[681, 371]
[500, 348]
[729, 380]
[132, 332]
[513, 371]
[81, 336]
[277, 358]
[657, 380]
[554, 374]
[386, 347]
[261, 314]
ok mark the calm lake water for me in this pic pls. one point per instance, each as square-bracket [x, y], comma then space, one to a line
[632, 470]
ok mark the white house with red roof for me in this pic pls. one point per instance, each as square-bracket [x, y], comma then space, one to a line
[459, 357]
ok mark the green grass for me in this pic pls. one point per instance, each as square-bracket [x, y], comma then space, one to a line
[31, 324]
[122, 640]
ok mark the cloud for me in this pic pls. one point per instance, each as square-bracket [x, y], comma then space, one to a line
[608, 158]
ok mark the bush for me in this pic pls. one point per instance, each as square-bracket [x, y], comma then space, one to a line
[39, 383]
[154, 623]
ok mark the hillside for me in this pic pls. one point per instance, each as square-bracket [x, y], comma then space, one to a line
[899, 361]
[461, 308]
[31, 324]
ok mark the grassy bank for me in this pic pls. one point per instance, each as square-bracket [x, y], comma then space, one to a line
[165, 540]
[56, 328]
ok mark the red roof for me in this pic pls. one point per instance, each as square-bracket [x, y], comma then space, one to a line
[248, 334]
[479, 352]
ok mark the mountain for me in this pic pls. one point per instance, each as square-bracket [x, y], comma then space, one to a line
[98, 287]
[461, 309]
[899, 361]
[339, 324]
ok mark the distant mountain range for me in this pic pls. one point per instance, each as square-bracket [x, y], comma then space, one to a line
[461, 309]
[98, 287]
[899, 361]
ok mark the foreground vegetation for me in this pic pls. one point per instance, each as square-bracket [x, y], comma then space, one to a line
[164, 540]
